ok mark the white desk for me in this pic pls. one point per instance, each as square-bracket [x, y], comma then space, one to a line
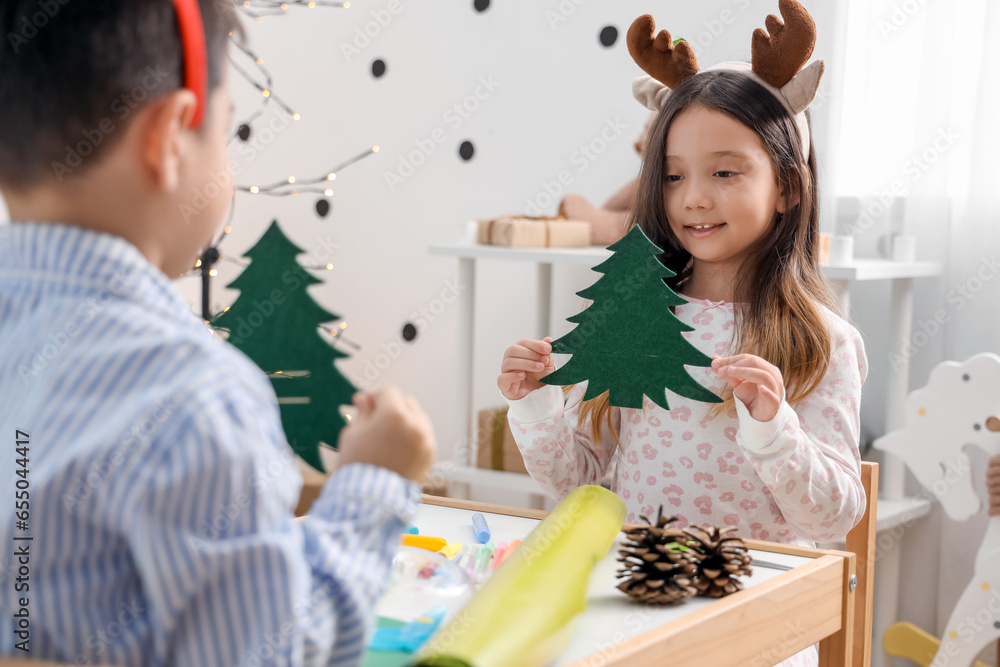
[779, 613]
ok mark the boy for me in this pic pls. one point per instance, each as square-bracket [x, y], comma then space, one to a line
[153, 486]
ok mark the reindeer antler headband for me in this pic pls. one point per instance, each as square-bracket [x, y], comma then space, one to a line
[776, 61]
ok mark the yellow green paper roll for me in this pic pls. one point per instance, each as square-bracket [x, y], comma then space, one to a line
[523, 615]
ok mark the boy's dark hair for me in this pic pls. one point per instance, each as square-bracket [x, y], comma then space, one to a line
[74, 72]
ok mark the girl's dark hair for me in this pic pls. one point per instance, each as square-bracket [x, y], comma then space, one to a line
[74, 72]
[781, 288]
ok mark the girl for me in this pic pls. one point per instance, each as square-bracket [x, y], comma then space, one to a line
[728, 189]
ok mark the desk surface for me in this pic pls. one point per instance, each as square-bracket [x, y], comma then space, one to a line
[778, 614]
[611, 616]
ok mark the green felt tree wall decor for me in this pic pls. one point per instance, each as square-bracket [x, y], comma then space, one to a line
[276, 323]
[628, 342]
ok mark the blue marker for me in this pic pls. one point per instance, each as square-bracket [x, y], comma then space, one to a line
[412, 530]
[480, 528]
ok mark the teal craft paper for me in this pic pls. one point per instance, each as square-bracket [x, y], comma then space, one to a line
[276, 323]
[628, 342]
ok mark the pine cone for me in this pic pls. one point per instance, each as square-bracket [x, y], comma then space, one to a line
[724, 558]
[657, 567]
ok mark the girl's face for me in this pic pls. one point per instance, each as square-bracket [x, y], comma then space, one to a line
[720, 191]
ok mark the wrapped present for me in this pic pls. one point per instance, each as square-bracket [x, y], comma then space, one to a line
[525, 232]
[497, 449]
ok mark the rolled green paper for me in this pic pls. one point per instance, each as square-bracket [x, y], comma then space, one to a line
[524, 614]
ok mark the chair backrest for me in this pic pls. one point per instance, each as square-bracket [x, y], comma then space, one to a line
[861, 542]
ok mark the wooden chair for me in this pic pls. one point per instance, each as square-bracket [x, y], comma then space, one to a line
[861, 542]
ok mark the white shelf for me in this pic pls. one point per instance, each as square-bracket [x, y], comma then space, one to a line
[892, 513]
[586, 256]
[858, 269]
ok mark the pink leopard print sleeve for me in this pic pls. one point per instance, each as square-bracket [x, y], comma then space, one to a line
[812, 465]
[558, 449]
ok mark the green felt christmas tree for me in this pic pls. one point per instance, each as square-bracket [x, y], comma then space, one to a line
[628, 342]
[276, 323]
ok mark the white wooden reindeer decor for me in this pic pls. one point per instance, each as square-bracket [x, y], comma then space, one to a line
[959, 406]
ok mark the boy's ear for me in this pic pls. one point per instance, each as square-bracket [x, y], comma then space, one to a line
[163, 133]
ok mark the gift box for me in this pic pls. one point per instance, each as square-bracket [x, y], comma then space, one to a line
[497, 449]
[525, 232]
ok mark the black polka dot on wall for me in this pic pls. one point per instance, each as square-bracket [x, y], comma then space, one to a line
[378, 68]
[322, 208]
[609, 35]
[409, 332]
[244, 132]
[466, 150]
[481, 5]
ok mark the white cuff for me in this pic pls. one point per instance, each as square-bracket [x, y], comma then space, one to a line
[539, 405]
[757, 435]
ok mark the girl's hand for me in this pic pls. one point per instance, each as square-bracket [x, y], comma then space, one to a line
[755, 382]
[522, 366]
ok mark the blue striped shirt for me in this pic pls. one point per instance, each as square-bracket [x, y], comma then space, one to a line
[161, 484]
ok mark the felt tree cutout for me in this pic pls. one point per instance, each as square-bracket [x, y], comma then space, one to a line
[276, 323]
[627, 341]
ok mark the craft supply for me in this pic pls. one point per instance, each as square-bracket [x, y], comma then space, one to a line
[451, 549]
[523, 614]
[412, 530]
[498, 555]
[480, 528]
[412, 635]
[423, 542]
[510, 549]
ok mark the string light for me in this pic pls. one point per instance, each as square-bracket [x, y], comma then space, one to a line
[338, 336]
[281, 189]
[266, 88]
[258, 9]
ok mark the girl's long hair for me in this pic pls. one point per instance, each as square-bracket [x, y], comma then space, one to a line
[780, 289]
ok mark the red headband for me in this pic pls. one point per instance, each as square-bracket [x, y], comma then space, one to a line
[195, 54]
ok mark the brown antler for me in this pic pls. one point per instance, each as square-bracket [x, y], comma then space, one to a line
[776, 59]
[658, 56]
